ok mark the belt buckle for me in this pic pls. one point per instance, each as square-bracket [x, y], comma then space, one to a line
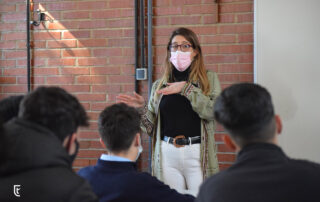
[178, 137]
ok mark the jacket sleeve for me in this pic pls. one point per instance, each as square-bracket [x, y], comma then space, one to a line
[203, 104]
[83, 193]
[148, 112]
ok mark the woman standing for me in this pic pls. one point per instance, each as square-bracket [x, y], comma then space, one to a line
[179, 116]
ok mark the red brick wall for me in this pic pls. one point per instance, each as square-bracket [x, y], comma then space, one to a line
[88, 49]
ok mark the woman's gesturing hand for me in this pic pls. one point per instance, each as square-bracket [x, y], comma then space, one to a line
[134, 101]
[173, 88]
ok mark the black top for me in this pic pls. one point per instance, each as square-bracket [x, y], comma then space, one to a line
[177, 115]
[262, 172]
[35, 159]
[120, 181]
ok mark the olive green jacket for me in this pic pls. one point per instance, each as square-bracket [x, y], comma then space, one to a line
[203, 105]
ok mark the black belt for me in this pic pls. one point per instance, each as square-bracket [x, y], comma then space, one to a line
[181, 141]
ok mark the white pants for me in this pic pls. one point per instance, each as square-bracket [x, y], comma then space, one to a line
[181, 167]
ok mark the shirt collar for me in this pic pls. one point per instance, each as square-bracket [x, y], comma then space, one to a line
[107, 157]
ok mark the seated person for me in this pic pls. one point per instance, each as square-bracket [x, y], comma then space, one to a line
[115, 177]
[40, 147]
[262, 171]
[9, 107]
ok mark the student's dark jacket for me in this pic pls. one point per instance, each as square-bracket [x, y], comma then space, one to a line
[263, 173]
[35, 160]
[121, 182]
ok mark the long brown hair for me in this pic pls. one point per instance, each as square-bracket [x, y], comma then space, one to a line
[198, 71]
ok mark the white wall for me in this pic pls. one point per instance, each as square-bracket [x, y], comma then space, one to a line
[287, 62]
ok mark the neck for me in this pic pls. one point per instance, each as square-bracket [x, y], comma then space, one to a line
[124, 154]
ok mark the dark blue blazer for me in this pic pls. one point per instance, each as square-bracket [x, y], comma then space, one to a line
[263, 173]
[120, 181]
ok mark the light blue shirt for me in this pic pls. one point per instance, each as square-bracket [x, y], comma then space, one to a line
[107, 157]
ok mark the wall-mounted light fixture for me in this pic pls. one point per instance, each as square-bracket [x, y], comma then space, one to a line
[41, 17]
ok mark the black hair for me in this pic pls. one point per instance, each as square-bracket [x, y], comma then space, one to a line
[55, 109]
[118, 125]
[246, 112]
[9, 107]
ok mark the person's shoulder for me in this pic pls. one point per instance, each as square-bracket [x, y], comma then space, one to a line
[302, 164]
[84, 172]
[211, 74]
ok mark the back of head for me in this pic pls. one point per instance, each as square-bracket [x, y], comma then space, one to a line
[118, 126]
[55, 109]
[9, 107]
[246, 112]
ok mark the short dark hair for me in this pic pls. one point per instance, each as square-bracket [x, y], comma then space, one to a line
[55, 109]
[118, 124]
[246, 112]
[9, 107]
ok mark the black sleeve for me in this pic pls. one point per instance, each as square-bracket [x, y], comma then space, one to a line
[83, 193]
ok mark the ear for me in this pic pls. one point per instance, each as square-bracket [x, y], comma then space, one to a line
[229, 142]
[278, 124]
[69, 144]
[102, 143]
[136, 141]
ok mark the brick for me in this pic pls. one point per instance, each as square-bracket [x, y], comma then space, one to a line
[7, 8]
[92, 43]
[106, 14]
[247, 58]
[210, 19]
[60, 80]
[76, 15]
[107, 33]
[161, 3]
[7, 26]
[220, 59]
[184, 2]
[224, 166]
[14, 36]
[47, 35]
[91, 80]
[121, 23]
[75, 34]
[7, 17]
[229, 78]
[7, 63]
[104, 70]
[105, 52]
[127, 88]
[248, 17]
[7, 80]
[62, 44]
[7, 45]
[80, 162]
[199, 9]
[106, 88]
[241, 28]
[165, 11]
[157, 21]
[98, 106]
[93, 24]
[128, 51]
[127, 12]
[34, 80]
[123, 42]
[121, 4]
[91, 97]
[121, 60]
[185, 20]
[206, 30]
[219, 137]
[226, 157]
[163, 31]
[15, 54]
[92, 61]
[36, 62]
[121, 79]
[245, 38]
[209, 49]
[129, 70]
[236, 49]
[235, 68]
[88, 135]
[76, 88]
[47, 53]
[65, 25]
[62, 6]
[218, 39]
[61, 62]
[15, 89]
[76, 53]
[224, 148]
[90, 153]
[160, 41]
[227, 18]
[45, 71]
[128, 32]
[233, 8]
[75, 71]
[246, 78]
[92, 5]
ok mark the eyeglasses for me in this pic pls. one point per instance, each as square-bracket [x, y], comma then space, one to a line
[183, 47]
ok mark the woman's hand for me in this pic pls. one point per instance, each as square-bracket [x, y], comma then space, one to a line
[173, 88]
[134, 101]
